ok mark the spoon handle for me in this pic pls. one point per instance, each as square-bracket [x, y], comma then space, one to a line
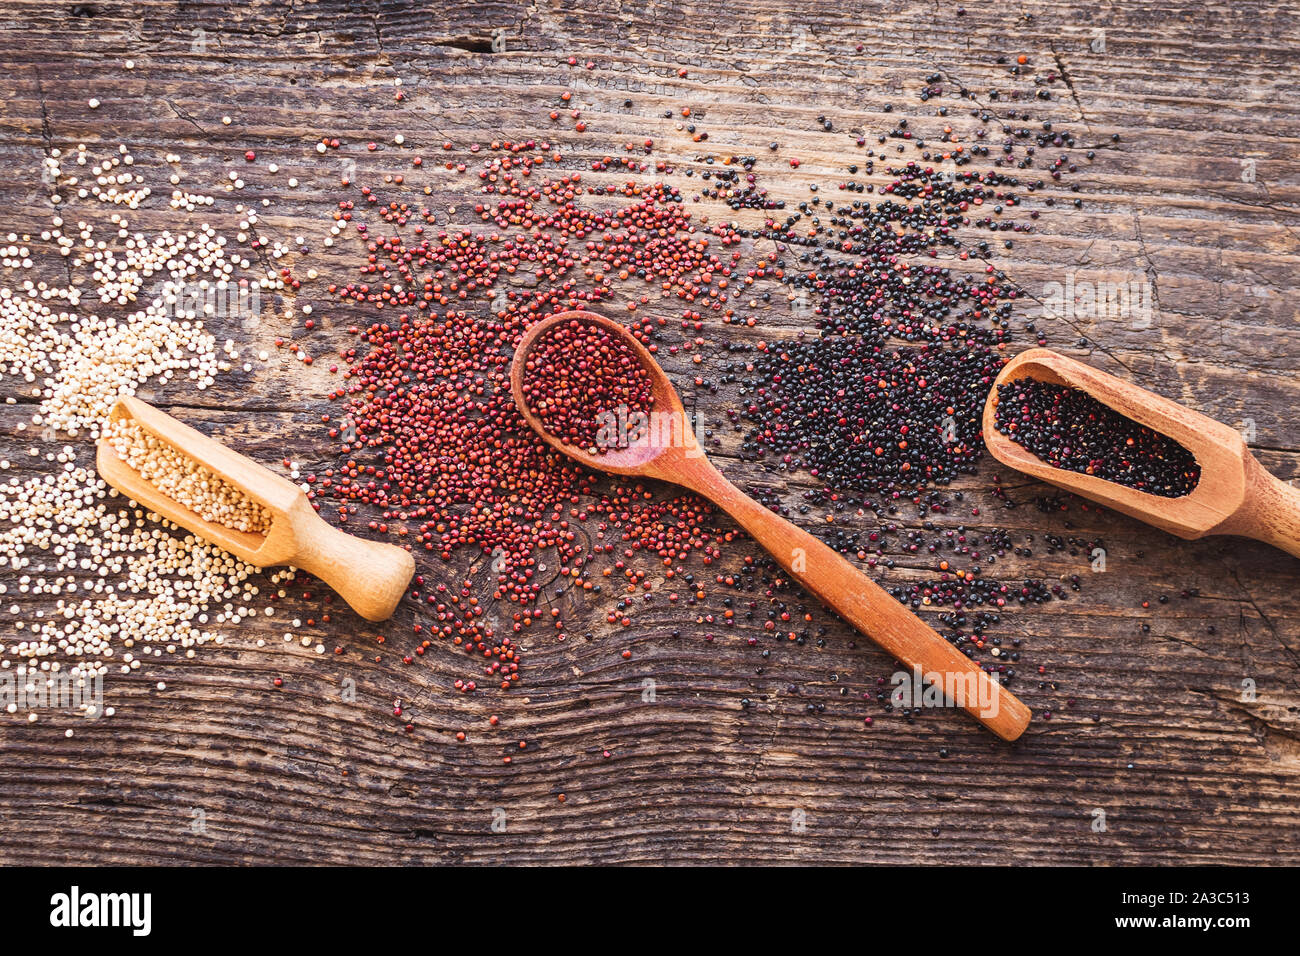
[864, 604]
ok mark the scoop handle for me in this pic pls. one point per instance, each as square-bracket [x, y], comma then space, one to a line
[864, 604]
[369, 575]
[1272, 510]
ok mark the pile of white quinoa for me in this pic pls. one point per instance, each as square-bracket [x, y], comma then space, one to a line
[125, 585]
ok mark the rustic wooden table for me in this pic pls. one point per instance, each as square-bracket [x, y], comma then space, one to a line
[1200, 198]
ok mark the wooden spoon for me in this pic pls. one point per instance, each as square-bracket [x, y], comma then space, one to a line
[671, 453]
[1234, 495]
[370, 576]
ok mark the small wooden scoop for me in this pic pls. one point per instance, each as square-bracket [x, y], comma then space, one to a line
[370, 576]
[822, 571]
[1235, 495]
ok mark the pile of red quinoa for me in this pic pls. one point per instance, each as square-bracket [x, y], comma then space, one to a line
[434, 440]
[587, 387]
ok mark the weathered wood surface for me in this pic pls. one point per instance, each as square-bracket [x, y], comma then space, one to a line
[1183, 768]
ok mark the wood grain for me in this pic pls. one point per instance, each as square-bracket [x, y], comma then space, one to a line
[1200, 195]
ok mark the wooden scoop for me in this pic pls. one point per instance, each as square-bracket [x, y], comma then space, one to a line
[670, 452]
[370, 576]
[1234, 495]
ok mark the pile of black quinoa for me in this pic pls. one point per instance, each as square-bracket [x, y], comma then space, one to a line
[1071, 430]
[863, 418]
